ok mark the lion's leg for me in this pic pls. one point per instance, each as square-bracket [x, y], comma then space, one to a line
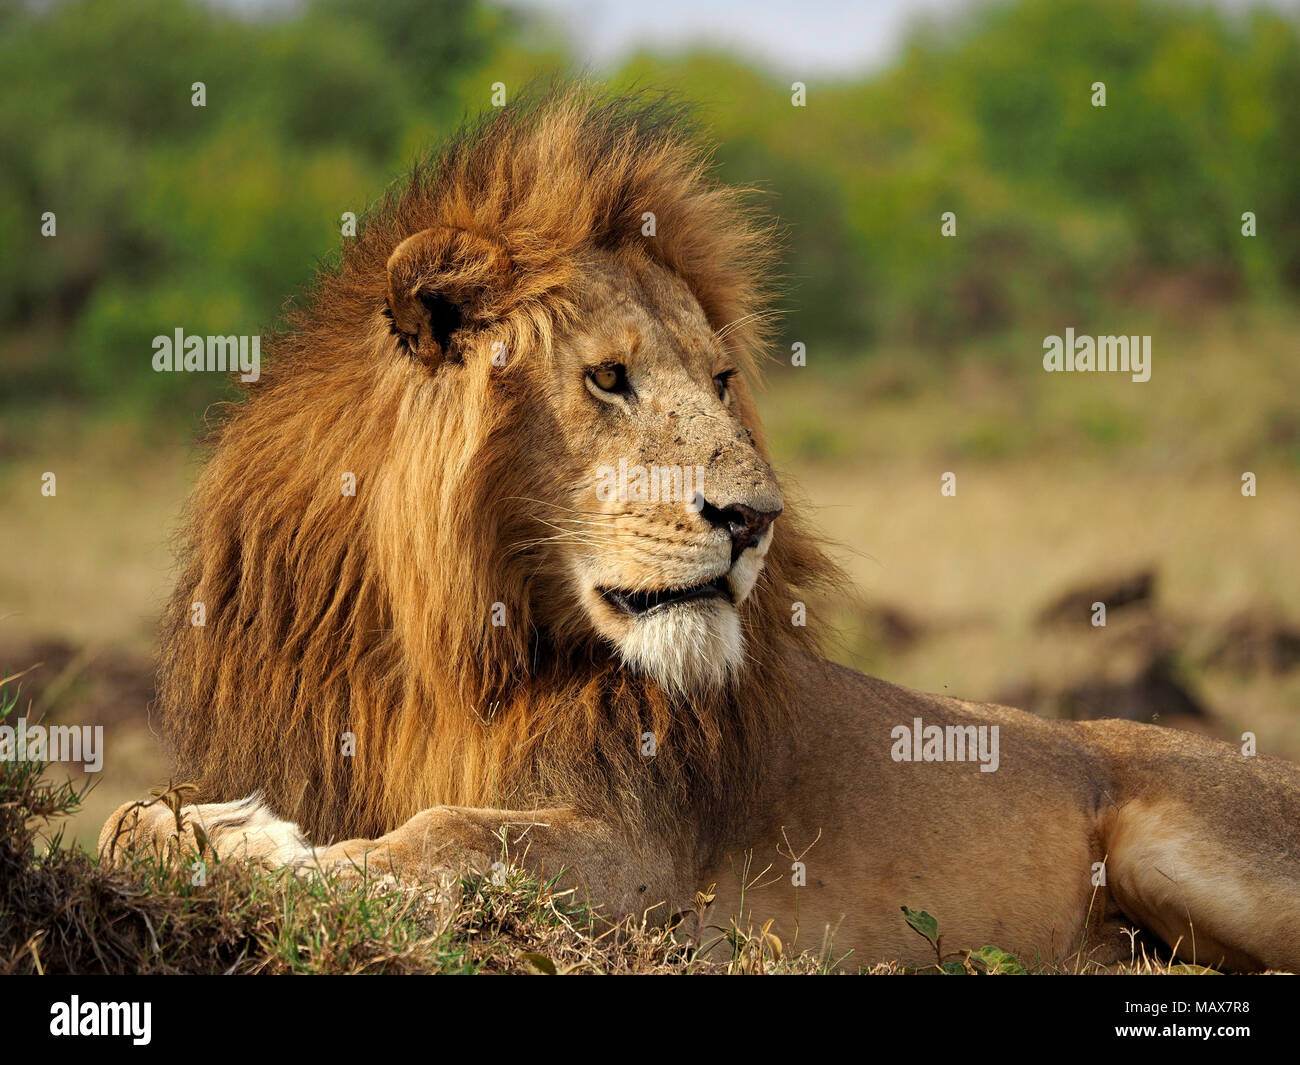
[617, 875]
[1216, 901]
[609, 871]
[1203, 846]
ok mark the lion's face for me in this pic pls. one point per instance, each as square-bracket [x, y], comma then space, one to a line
[670, 513]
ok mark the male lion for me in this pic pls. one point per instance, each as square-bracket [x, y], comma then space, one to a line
[455, 605]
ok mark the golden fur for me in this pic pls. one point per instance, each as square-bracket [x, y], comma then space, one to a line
[493, 633]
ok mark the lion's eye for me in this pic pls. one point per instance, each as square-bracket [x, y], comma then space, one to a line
[609, 378]
[720, 383]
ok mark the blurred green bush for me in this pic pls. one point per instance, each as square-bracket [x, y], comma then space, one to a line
[208, 218]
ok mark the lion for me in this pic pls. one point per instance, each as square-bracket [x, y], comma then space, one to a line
[491, 564]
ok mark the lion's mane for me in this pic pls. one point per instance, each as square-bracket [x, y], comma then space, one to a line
[329, 615]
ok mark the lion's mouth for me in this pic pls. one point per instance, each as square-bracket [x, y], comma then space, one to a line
[638, 604]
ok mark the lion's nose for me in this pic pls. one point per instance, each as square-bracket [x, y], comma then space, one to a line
[744, 525]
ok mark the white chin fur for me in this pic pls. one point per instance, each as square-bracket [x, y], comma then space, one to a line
[686, 648]
[744, 572]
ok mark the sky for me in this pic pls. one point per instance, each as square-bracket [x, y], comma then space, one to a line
[823, 38]
[828, 37]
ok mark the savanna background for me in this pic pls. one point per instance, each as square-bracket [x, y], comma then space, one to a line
[923, 352]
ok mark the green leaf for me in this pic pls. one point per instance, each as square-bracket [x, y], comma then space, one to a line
[994, 961]
[539, 962]
[924, 923]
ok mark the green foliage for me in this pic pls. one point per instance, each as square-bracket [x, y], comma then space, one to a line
[995, 962]
[1064, 210]
[202, 218]
[924, 924]
[170, 215]
[990, 961]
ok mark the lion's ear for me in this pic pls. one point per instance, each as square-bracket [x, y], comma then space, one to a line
[440, 281]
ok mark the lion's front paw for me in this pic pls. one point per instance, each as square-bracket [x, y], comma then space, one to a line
[246, 829]
[137, 826]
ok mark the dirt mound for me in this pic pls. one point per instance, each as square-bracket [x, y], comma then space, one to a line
[1154, 692]
[1255, 642]
[1074, 607]
[1127, 668]
[891, 627]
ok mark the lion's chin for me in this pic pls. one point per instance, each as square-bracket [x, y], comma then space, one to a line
[685, 649]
